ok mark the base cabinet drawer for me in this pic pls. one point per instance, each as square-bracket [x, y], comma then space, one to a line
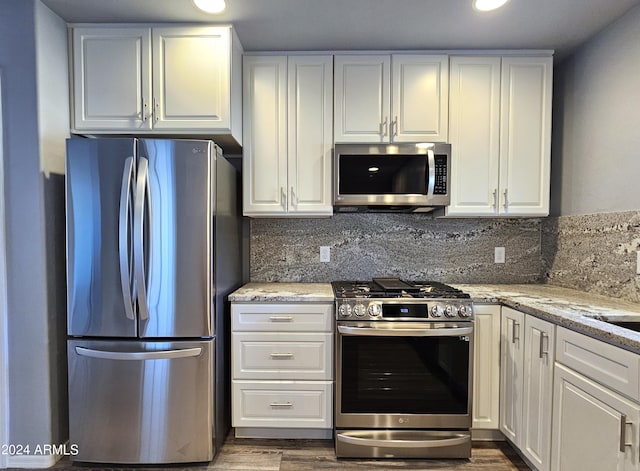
[268, 317]
[264, 356]
[290, 404]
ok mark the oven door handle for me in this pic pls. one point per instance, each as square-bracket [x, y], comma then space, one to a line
[433, 443]
[398, 332]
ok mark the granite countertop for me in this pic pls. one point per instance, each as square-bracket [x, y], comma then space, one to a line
[283, 292]
[566, 307]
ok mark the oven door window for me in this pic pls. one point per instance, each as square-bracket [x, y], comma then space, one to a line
[404, 375]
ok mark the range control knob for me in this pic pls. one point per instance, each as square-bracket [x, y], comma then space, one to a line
[451, 311]
[465, 311]
[437, 311]
[360, 310]
[344, 310]
[375, 310]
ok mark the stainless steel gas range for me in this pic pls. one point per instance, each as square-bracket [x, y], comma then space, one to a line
[404, 354]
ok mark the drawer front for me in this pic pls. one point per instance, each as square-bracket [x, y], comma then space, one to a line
[611, 366]
[302, 356]
[267, 317]
[282, 404]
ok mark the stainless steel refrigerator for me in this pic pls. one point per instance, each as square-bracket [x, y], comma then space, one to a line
[153, 249]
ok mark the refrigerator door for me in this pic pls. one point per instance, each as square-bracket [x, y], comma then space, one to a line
[173, 271]
[141, 402]
[99, 216]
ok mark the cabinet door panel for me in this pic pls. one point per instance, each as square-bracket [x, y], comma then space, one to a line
[474, 135]
[525, 135]
[310, 99]
[486, 368]
[191, 78]
[362, 98]
[265, 147]
[420, 85]
[587, 425]
[511, 373]
[112, 81]
[539, 344]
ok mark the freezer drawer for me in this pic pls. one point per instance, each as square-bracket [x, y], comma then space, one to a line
[141, 402]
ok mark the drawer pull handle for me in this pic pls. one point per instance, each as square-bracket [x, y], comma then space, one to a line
[280, 318]
[281, 404]
[282, 356]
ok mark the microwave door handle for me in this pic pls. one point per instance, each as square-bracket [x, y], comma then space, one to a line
[431, 162]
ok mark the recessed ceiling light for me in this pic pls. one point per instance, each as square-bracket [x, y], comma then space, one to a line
[488, 5]
[211, 6]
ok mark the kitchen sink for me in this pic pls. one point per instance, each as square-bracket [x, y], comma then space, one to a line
[630, 322]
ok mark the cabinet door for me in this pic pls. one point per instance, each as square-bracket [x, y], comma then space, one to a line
[511, 373]
[264, 168]
[191, 78]
[362, 98]
[593, 428]
[486, 367]
[112, 79]
[539, 343]
[310, 104]
[474, 113]
[525, 135]
[419, 102]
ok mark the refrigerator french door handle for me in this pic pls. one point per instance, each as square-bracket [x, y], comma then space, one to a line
[142, 190]
[157, 355]
[123, 237]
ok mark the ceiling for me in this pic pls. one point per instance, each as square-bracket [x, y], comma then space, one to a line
[298, 25]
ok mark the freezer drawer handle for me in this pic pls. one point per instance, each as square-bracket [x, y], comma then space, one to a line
[159, 355]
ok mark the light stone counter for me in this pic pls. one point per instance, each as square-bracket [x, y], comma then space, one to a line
[566, 307]
[283, 293]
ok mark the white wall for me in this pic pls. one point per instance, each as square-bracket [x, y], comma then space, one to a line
[596, 125]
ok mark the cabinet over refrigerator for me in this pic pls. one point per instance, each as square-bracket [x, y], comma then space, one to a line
[152, 251]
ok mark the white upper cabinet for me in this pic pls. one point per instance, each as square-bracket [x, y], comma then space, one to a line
[287, 123]
[500, 134]
[112, 78]
[397, 98]
[169, 79]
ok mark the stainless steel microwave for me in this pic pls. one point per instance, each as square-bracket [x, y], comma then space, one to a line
[412, 177]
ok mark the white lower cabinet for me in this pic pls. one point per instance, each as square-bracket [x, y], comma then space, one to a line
[282, 370]
[486, 368]
[594, 429]
[526, 384]
[596, 405]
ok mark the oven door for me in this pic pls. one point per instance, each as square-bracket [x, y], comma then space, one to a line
[408, 375]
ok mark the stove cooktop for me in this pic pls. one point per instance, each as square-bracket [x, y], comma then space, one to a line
[400, 300]
[395, 288]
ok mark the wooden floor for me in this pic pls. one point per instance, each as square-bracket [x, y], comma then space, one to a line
[306, 455]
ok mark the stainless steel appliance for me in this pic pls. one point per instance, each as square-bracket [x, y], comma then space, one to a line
[152, 251]
[374, 177]
[403, 370]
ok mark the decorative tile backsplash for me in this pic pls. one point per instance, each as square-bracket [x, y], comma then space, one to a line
[410, 246]
[595, 253]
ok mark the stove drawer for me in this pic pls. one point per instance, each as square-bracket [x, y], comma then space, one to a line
[266, 317]
[292, 404]
[304, 356]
